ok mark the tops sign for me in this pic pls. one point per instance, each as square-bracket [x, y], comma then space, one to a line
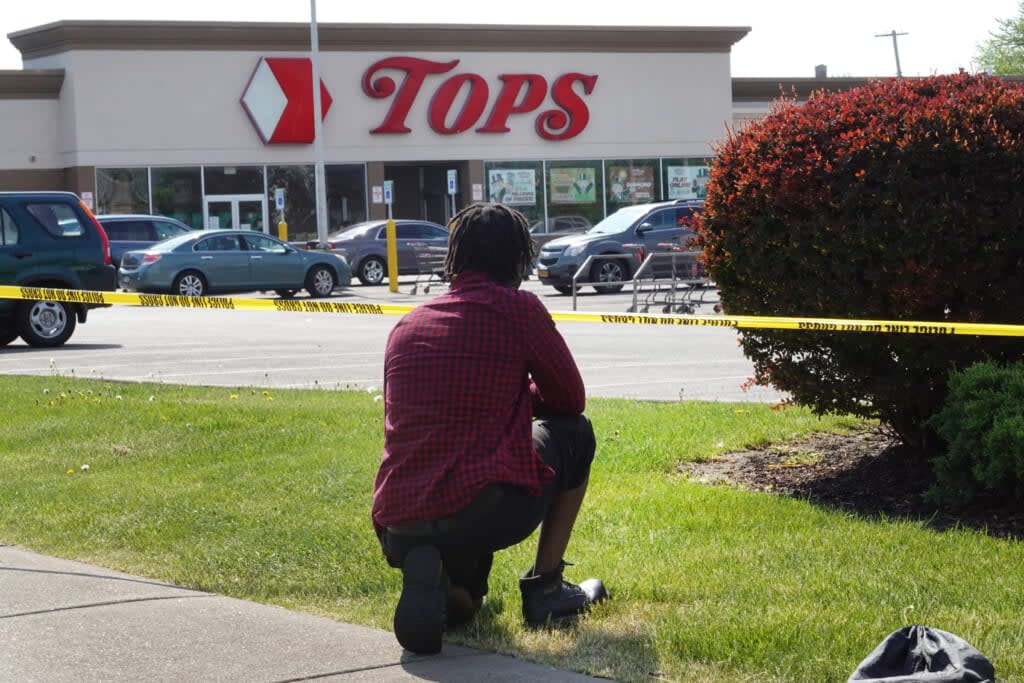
[517, 94]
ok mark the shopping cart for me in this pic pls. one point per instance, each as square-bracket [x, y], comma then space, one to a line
[671, 279]
[429, 266]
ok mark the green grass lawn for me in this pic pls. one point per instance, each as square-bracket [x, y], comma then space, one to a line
[265, 495]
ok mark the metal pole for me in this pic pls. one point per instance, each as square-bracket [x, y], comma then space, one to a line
[318, 138]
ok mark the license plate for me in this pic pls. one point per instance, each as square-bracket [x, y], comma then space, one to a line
[542, 272]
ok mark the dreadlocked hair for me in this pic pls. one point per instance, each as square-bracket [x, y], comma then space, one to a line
[492, 239]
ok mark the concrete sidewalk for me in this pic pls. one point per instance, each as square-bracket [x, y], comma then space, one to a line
[69, 621]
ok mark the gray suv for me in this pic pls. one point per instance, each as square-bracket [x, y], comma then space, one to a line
[128, 232]
[623, 233]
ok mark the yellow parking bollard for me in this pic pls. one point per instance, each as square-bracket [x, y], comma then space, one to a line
[389, 231]
[282, 231]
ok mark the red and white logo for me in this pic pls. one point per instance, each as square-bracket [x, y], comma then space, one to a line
[279, 100]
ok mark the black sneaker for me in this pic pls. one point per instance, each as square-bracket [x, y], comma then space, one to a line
[548, 599]
[420, 614]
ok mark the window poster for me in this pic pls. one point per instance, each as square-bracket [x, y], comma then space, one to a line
[513, 186]
[573, 186]
[634, 184]
[687, 182]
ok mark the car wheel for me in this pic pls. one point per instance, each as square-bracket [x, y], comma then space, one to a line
[189, 283]
[7, 336]
[45, 323]
[564, 289]
[320, 282]
[371, 271]
[285, 293]
[608, 271]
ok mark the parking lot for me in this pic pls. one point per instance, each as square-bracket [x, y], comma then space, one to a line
[302, 350]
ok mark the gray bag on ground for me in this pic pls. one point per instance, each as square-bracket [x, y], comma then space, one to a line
[919, 654]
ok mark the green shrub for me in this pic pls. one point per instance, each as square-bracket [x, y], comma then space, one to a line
[898, 200]
[983, 424]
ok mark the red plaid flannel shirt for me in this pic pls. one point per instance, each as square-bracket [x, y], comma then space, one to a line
[464, 374]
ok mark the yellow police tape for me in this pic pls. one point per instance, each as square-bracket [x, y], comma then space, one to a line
[330, 306]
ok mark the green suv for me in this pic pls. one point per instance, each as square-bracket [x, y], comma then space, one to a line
[49, 239]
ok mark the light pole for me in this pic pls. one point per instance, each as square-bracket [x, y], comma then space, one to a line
[320, 177]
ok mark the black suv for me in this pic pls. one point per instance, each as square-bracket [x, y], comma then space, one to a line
[49, 239]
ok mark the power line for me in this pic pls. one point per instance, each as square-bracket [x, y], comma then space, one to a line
[895, 48]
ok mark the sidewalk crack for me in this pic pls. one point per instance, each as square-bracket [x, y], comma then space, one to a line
[103, 604]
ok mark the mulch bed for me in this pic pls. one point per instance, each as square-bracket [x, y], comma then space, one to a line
[865, 472]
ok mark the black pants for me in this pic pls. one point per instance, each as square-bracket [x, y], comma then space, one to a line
[501, 515]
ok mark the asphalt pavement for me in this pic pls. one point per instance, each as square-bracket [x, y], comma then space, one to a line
[294, 350]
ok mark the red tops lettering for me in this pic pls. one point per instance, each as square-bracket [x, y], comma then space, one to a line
[518, 94]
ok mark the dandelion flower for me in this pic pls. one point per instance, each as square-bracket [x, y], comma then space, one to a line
[234, 397]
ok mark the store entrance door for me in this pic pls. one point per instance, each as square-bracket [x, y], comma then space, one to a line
[235, 212]
[421, 190]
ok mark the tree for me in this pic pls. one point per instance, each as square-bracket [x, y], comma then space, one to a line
[1003, 53]
[898, 200]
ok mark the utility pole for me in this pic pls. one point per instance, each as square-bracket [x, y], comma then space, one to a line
[895, 48]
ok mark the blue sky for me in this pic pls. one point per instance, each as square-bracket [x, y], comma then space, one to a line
[788, 37]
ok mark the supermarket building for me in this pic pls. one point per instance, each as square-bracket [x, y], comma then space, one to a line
[210, 122]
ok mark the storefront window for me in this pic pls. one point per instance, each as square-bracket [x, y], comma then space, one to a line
[575, 188]
[178, 193]
[686, 178]
[346, 195]
[122, 190]
[517, 184]
[631, 181]
[299, 185]
[234, 179]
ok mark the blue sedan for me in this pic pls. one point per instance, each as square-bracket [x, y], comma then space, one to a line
[226, 261]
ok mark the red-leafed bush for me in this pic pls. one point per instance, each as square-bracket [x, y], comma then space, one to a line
[899, 200]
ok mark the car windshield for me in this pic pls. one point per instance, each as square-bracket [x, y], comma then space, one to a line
[618, 221]
[353, 232]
